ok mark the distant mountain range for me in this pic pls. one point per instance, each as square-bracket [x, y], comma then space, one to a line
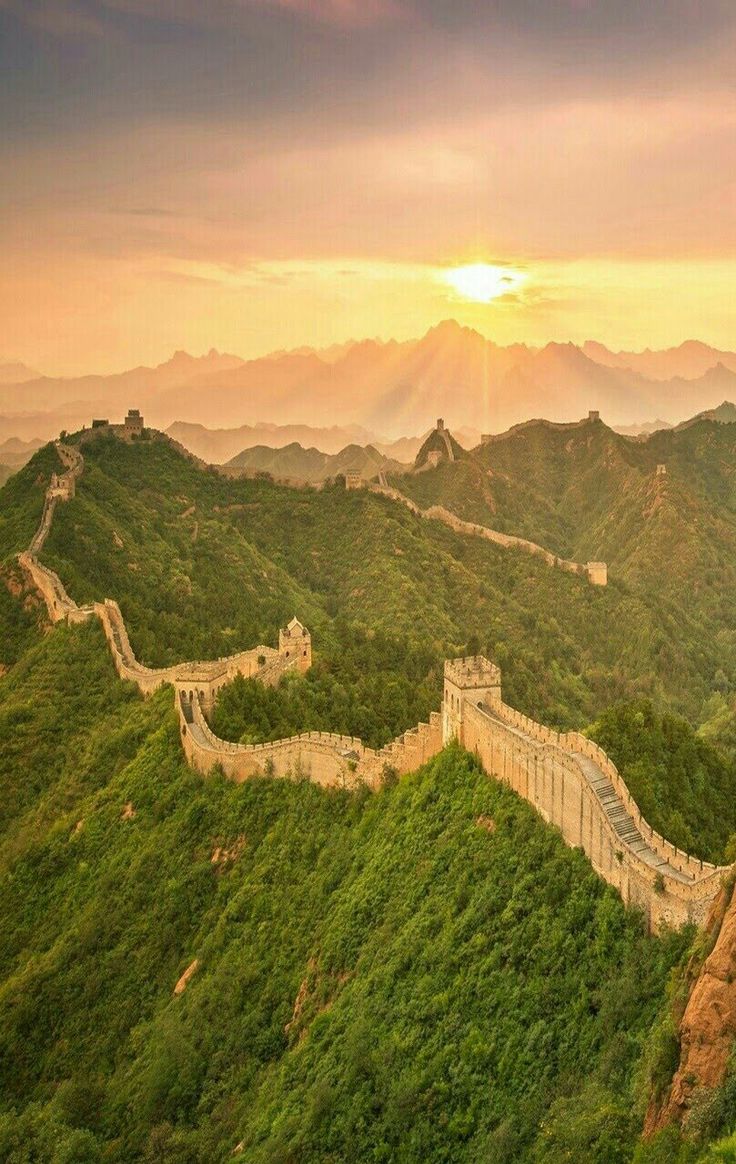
[219, 446]
[311, 465]
[384, 389]
[13, 372]
[13, 455]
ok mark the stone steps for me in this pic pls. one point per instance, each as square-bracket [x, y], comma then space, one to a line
[623, 824]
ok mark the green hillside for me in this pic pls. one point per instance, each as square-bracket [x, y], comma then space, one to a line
[311, 465]
[424, 974]
[203, 566]
[588, 493]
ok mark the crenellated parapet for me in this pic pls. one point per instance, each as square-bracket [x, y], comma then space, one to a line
[325, 758]
[571, 782]
[574, 785]
[595, 572]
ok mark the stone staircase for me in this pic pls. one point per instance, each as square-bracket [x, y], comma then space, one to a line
[623, 824]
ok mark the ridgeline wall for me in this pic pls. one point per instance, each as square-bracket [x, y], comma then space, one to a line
[570, 781]
[595, 572]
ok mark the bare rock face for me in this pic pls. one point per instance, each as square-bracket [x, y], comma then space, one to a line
[184, 980]
[708, 1026]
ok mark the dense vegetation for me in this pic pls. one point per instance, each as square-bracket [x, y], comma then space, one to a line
[22, 615]
[21, 501]
[423, 974]
[203, 565]
[372, 686]
[588, 493]
[682, 784]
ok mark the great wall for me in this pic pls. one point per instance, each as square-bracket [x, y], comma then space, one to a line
[571, 782]
[595, 572]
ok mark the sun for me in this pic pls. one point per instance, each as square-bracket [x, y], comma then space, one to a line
[483, 282]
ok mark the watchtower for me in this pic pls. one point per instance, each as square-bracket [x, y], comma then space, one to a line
[597, 573]
[440, 424]
[661, 470]
[295, 642]
[133, 423]
[594, 414]
[353, 479]
[471, 680]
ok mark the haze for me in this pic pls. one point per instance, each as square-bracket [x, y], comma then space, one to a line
[268, 173]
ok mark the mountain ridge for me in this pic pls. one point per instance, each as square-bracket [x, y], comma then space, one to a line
[391, 386]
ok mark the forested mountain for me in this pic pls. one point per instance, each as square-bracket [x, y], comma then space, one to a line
[586, 493]
[423, 974]
[311, 465]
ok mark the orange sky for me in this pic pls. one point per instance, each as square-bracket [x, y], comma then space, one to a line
[259, 174]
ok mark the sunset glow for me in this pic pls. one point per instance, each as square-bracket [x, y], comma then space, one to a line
[482, 282]
[259, 176]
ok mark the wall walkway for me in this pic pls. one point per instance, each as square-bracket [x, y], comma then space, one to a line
[574, 785]
[595, 572]
[569, 779]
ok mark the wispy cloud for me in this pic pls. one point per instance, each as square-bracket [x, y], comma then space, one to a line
[344, 13]
[66, 19]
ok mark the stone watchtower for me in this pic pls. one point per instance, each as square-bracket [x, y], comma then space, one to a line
[295, 642]
[474, 679]
[597, 573]
[133, 423]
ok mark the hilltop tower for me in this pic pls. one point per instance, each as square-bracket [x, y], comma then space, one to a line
[597, 573]
[439, 448]
[133, 423]
[295, 642]
[473, 679]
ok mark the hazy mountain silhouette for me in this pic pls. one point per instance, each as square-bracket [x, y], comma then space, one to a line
[13, 372]
[389, 389]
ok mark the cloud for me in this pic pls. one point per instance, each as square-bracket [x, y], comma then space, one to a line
[66, 19]
[351, 14]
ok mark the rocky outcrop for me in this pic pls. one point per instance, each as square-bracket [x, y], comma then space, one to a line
[707, 1029]
[186, 976]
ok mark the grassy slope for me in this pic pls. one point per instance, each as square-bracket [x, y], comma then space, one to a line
[250, 554]
[454, 993]
[21, 501]
[203, 566]
[589, 493]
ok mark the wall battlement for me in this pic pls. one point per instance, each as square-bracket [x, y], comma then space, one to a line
[577, 787]
[571, 782]
[472, 672]
[595, 572]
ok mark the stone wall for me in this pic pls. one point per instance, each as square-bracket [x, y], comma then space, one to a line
[203, 677]
[568, 778]
[595, 572]
[325, 758]
[544, 768]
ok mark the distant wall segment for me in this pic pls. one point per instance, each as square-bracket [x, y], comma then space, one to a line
[571, 782]
[595, 572]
